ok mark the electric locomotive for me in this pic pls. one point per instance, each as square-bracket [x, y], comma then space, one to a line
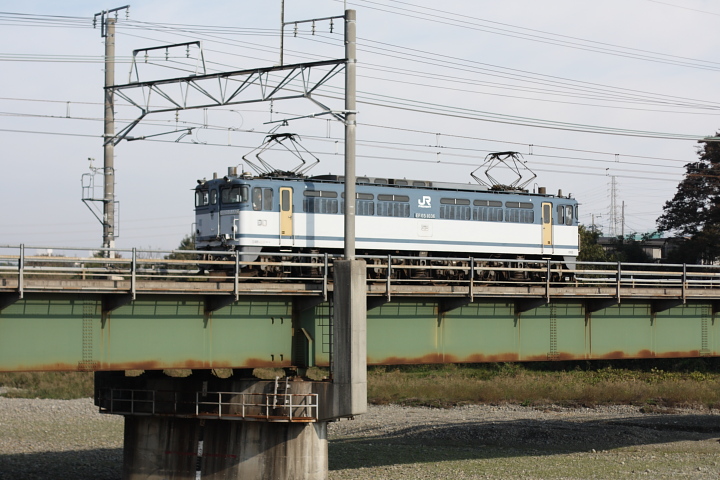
[281, 212]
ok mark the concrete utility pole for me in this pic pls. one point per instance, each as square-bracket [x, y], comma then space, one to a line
[350, 124]
[107, 31]
[109, 146]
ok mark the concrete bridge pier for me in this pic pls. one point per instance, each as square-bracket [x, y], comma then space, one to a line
[210, 428]
[171, 448]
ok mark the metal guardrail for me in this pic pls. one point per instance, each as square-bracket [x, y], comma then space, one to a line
[270, 407]
[149, 271]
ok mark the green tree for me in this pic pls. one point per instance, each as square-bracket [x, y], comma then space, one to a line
[694, 211]
[187, 243]
[590, 251]
[630, 249]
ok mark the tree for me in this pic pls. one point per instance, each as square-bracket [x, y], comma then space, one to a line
[630, 249]
[590, 250]
[187, 243]
[694, 211]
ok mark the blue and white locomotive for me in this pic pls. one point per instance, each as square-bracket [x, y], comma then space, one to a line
[276, 213]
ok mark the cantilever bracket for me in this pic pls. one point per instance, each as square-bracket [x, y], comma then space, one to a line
[279, 82]
[526, 304]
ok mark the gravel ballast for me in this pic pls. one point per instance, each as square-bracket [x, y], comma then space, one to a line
[69, 439]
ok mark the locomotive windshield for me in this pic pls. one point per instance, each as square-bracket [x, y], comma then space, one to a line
[236, 194]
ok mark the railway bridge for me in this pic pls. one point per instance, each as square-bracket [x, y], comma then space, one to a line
[141, 314]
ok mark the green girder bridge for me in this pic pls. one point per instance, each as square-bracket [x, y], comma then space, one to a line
[139, 313]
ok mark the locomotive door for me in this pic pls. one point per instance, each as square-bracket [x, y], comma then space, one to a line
[286, 216]
[547, 228]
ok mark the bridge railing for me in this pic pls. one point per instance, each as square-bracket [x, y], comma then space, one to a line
[288, 407]
[137, 270]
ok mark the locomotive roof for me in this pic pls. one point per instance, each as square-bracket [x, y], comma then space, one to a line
[392, 182]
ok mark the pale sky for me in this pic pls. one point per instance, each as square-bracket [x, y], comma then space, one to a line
[440, 85]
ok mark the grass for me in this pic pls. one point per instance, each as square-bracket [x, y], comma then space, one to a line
[59, 385]
[525, 384]
[654, 384]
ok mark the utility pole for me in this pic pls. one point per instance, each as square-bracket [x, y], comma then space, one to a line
[107, 31]
[109, 147]
[282, 31]
[350, 134]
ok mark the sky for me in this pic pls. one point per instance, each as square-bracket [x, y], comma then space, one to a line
[603, 100]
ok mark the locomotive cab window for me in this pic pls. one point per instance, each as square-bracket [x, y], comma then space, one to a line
[561, 214]
[568, 215]
[202, 198]
[262, 199]
[213, 197]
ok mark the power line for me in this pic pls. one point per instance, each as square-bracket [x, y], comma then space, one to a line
[446, 150]
[376, 157]
[685, 8]
[549, 38]
[469, 114]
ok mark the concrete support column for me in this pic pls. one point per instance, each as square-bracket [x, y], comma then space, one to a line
[350, 339]
[171, 448]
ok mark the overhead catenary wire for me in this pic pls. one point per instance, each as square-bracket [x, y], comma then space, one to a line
[697, 105]
[448, 151]
[389, 127]
[671, 177]
[548, 38]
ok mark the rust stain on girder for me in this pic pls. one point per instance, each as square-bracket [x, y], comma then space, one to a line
[645, 353]
[194, 364]
[436, 358]
[445, 358]
[145, 365]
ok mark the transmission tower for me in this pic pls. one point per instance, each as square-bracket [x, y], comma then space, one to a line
[615, 219]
